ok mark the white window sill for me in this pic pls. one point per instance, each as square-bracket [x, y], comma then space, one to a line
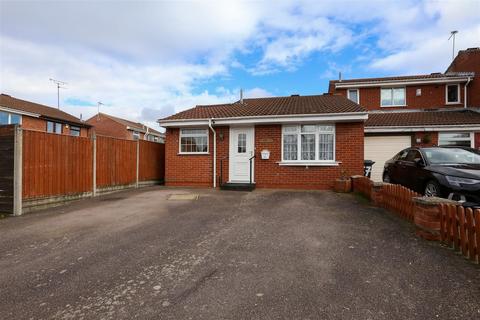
[192, 153]
[456, 102]
[309, 163]
[397, 106]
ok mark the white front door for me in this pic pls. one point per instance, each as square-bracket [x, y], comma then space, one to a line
[241, 150]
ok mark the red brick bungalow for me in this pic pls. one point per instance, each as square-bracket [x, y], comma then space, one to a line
[303, 142]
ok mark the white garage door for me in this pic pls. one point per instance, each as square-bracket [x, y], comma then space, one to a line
[383, 148]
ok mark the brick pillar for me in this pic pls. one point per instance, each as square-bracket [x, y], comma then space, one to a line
[354, 179]
[427, 216]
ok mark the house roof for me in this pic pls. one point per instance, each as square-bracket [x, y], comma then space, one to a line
[135, 126]
[275, 106]
[423, 118]
[434, 75]
[39, 110]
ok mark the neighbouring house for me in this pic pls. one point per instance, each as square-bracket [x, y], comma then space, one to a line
[302, 142]
[107, 125]
[38, 117]
[419, 110]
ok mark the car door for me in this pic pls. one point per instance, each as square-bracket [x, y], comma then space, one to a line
[397, 166]
[412, 170]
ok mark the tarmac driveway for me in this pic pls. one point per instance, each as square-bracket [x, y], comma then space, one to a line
[228, 255]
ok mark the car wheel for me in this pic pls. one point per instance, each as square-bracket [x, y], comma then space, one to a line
[432, 189]
[386, 178]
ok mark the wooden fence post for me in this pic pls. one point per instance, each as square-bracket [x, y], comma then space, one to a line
[18, 172]
[94, 165]
[138, 162]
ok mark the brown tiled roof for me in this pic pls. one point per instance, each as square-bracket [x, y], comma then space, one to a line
[422, 118]
[131, 124]
[293, 105]
[40, 109]
[412, 77]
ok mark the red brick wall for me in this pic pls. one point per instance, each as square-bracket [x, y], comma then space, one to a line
[36, 124]
[469, 61]
[433, 96]
[424, 137]
[196, 170]
[105, 126]
[268, 174]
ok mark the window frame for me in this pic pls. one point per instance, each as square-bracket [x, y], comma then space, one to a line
[472, 138]
[54, 127]
[298, 133]
[75, 129]
[459, 99]
[358, 95]
[393, 105]
[180, 135]
[9, 117]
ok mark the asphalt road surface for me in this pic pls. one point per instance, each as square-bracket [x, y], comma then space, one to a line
[228, 255]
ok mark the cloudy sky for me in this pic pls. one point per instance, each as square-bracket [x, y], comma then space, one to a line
[148, 59]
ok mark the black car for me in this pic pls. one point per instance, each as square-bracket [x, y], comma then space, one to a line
[447, 172]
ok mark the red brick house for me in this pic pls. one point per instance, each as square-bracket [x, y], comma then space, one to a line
[420, 110]
[301, 142]
[107, 125]
[34, 116]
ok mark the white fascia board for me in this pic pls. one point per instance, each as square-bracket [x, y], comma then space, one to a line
[136, 129]
[280, 119]
[26, 113]
[394, 83]
[422, 128]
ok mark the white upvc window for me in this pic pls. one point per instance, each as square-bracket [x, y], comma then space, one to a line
[309, 143]
[393, 97]
[354, 95]
[452, 93]
[463, 139]
[193, 141]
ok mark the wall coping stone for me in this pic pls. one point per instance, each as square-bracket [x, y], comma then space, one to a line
[434, 201]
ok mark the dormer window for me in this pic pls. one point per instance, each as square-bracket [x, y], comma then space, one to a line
[354, 95]
[453, 93]
[392, 97]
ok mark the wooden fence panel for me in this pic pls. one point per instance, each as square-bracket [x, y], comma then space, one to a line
[7, 151]
[152, 161]
[116, 161]
[462, 230]
[55, 165]
[476, 219]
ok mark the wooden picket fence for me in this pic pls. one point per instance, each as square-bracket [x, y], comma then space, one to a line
[460, 230]
[398, 199]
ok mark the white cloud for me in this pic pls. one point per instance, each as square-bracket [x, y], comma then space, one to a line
[146, 60]
[421, 41]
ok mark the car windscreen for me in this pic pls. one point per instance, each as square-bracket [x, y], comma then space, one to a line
[451, 156]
